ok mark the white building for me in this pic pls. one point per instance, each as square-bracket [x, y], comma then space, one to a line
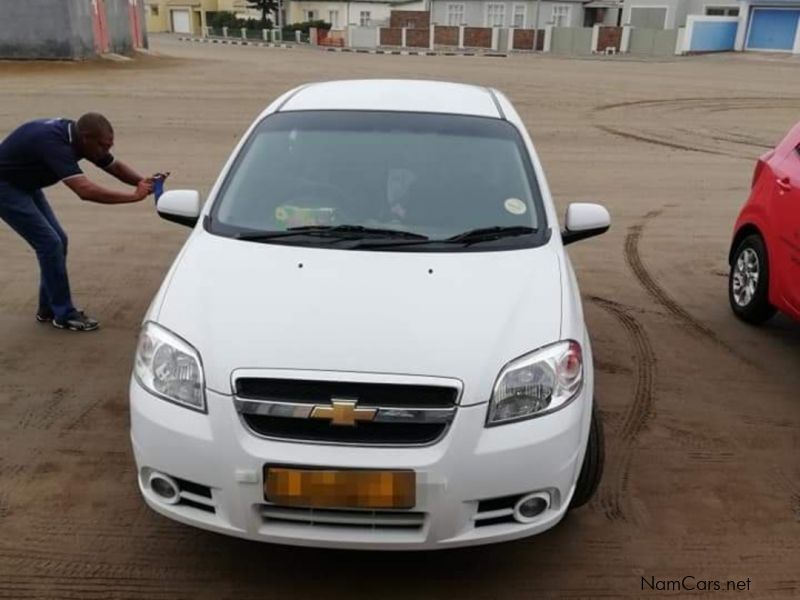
[356, 12]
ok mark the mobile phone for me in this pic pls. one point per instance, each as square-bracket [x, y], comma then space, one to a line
[158, 184]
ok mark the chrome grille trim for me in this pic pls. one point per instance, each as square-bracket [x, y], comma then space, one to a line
[271, 408]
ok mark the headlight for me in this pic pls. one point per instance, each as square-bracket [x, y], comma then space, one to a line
[537, 383]
[169, 367]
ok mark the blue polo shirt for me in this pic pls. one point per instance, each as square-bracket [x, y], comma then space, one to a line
[42, 153]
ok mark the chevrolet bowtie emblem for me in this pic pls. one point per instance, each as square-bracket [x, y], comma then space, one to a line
[343, 412]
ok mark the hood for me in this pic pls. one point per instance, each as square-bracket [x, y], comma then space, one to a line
[457, 315]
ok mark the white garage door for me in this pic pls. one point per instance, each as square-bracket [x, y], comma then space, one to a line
[181, 21]
[649, 17]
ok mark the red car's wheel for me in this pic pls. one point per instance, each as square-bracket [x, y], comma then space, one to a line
[748, 283]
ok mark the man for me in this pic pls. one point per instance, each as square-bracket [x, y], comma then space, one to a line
[40, 154]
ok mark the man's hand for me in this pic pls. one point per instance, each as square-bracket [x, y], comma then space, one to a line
[143, 189]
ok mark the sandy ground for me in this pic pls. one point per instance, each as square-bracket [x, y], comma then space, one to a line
[702, 412]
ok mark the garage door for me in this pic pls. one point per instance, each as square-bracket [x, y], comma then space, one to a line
[648, 17]
[181, 21]
[773, 29]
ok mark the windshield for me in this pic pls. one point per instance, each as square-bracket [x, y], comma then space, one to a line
[353, 175]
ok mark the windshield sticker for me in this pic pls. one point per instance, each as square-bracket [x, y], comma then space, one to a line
[516, 206]
[294, 216]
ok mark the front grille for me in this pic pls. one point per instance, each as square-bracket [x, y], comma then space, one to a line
[299, 410]
[361, 519]
[368, 394]
[312, 430]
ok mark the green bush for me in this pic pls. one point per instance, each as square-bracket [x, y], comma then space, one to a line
[224, 18]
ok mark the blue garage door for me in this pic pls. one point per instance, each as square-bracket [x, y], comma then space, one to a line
[773, 29]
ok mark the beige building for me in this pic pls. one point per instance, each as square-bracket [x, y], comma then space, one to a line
[189, 16]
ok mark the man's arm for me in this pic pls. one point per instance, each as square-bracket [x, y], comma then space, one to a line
[123, 172]
[86, 190]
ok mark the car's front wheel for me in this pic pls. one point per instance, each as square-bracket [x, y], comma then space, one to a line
[592, 467]
[748, 283]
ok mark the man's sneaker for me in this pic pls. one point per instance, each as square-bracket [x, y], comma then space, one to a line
[44, 315]
[76, 321]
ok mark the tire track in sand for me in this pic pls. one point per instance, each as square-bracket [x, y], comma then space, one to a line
[658, 122]
[613, 497]
[661, 296]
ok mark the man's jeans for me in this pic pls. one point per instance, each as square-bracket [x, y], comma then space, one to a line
[29, 214]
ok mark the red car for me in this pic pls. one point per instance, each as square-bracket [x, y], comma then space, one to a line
[765, 253]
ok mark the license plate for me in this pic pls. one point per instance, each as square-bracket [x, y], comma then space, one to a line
[331, 488]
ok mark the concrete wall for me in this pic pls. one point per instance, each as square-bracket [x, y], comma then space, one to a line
[62, 29]
[143, 22]
[119, 26]
[38, 29]
[571, 40]
[362, 37]
[653, 42]
[502, 38]
[81, 33]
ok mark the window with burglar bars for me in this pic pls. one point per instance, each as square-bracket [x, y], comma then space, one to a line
[519, 16]
[455, 14]
[561, 15]
[365, 18]
[495, 15]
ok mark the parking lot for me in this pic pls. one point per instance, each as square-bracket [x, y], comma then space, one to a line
[702, 413]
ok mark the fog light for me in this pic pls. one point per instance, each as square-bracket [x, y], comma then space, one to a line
[531, 506]
[164, 487]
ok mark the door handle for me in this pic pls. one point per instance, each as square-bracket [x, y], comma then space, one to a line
[785, 184]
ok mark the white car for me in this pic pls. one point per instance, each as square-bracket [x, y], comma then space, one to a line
[373, 337]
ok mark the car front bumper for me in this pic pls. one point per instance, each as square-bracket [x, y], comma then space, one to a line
[471, 463]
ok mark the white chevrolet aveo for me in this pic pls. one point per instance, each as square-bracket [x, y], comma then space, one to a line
[373, 337]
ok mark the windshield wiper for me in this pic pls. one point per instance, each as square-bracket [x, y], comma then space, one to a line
[466, 238]
[489, 233]
[338, 231]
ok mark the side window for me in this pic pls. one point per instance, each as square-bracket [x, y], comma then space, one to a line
[722, 11]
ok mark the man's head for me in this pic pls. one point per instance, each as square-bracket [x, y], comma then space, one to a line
[95, 136]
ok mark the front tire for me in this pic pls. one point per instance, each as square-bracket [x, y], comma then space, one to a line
[748, 282]
[593, 460]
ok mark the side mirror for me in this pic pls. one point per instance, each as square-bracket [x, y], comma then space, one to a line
[179, 206]
[585, 221]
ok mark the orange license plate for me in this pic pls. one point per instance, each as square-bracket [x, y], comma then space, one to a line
[330, 488]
